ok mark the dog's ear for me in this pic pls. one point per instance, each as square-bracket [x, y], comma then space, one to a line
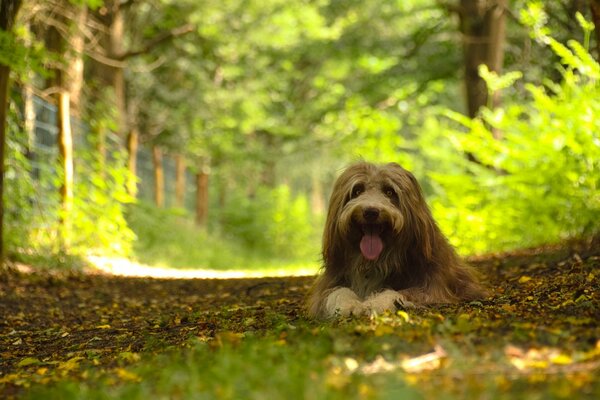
[425, 227]
[425, 231]
[331, 240]
[419, 218]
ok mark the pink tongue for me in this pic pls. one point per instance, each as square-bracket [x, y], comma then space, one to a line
[371, 246]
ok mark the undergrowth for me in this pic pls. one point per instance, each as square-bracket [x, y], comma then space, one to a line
[171, 238]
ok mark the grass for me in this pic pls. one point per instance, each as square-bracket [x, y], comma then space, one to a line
[356, 360]
[171, 239]
[256, 368]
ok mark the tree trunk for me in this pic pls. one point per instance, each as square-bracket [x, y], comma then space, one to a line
[74, 71]
[496, 21]
[179, 181]
[29, 116]
[8, 14]
[60, 82]
[159, 177]
[202, 196]
[132, 150]
[483, 28]
[116, 71]
[595, 7]
[4, 84]
[65, 156]
[68, 45]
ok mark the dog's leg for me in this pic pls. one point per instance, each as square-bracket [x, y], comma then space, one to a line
[388, 300]
[343, 301]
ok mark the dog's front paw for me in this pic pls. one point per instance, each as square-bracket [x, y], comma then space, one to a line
[388, 300]
[343, 302]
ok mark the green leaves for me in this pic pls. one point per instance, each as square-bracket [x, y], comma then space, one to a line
[539, 181]
[494, 82]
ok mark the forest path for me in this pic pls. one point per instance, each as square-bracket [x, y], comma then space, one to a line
[52, 324]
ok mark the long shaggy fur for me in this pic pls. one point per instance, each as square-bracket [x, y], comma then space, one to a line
[417, 263]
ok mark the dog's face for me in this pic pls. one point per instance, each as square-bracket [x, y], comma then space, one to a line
[370, 209]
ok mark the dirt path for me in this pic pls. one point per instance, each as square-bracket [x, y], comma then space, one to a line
[51, 322]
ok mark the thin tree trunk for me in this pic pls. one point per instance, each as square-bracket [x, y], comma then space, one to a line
[202, 196]
[132, 150]
[496, 21]
[61, 82]
[4, 84]
[29, 116]
[179, 181]
[65, 151]
[116, 33]
[159, 177]
[75, 65]
[8, 14]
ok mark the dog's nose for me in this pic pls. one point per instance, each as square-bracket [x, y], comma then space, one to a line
[370, 214]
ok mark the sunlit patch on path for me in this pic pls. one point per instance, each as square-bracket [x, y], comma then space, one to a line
[124, 267]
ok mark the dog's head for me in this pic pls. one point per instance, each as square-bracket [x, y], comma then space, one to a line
[376, 210]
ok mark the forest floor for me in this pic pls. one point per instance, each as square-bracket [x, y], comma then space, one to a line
[91, 335]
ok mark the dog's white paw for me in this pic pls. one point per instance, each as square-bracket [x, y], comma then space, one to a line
[343, 301]
[388, 300]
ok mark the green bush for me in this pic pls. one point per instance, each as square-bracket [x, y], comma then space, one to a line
[273, 223]
[171, 238]
[20, 193]
[539, 183]
[32, 204]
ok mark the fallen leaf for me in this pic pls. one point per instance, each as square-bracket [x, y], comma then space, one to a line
[70, 364]
[28, 361]
[127, 375]
[524, 279]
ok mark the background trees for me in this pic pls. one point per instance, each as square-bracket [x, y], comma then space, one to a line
[8, 13]
[266, 100]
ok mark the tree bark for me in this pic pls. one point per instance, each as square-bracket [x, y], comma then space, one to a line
[179, 181]
[75, 65]
[202, 196]
[159, 177]
[116, 32]
[65, 156]
[29, 115]
[8, 14]
[483, 28]
[132, 150]
[4, 85]
[496, 20]
[62, 83]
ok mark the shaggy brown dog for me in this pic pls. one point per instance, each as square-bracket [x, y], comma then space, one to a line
[382, 249]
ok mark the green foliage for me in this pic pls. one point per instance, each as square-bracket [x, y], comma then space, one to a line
[98, 209]
[171, 238]
[540, 182]
[274, 86]
[20, 194]
[21, 53]
[274, 223]
[32, 192]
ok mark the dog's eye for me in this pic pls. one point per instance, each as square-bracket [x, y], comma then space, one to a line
[357, 190]
[389, 192]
